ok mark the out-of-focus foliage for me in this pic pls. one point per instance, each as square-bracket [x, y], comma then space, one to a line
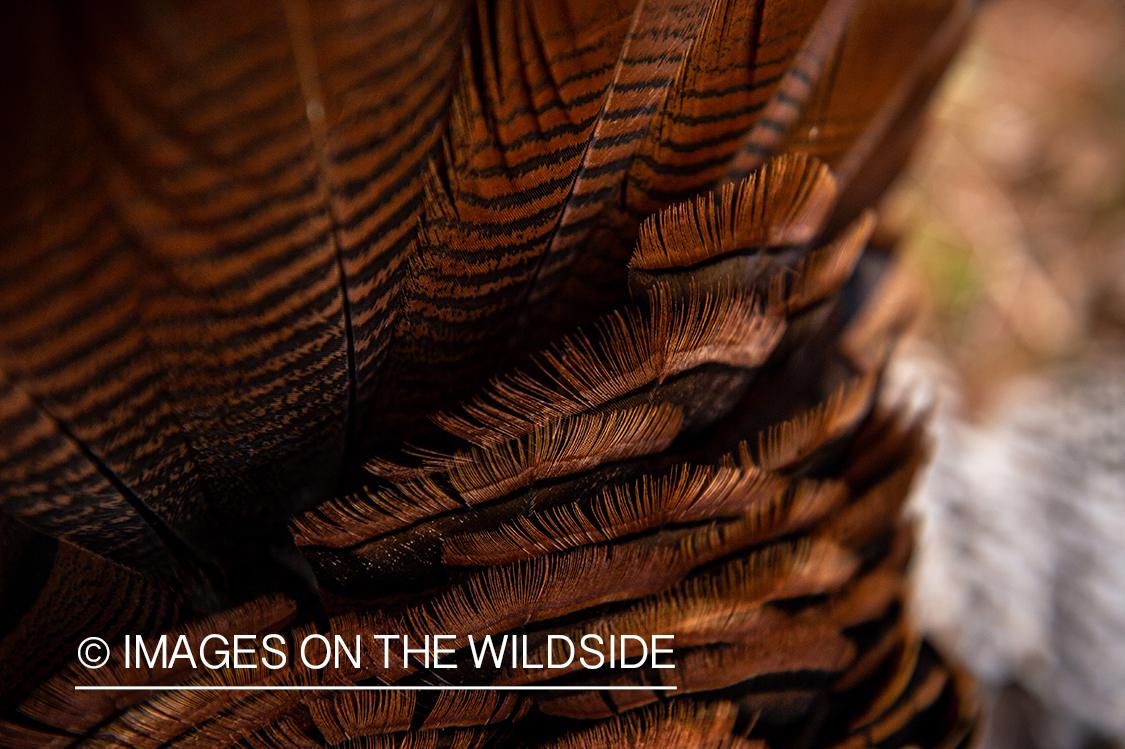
[1016, 205]
[1015, 220]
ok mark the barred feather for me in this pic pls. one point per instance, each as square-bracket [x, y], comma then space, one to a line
[493, 318]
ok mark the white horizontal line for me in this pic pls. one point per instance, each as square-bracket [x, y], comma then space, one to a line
[379, 688]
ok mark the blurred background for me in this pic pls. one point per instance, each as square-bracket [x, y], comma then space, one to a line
[1016, 203]
[1014, 213]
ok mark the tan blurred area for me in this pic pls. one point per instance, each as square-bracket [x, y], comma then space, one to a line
[1015, 205]
[1013, 215]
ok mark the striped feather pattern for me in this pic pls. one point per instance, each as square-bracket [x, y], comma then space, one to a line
[490, 318]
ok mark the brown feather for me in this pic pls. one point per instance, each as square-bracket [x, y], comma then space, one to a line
[491, 318]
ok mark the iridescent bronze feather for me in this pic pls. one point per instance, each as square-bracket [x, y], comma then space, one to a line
[506, 317]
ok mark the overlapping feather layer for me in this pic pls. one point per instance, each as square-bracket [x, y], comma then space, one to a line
[595, 292]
